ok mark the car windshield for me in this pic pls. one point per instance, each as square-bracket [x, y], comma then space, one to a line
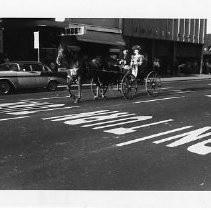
[37, 67]
[4, 67]
[25, 67]
[13, 67]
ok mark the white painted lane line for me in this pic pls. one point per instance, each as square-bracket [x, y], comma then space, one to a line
[160, 99]
[13, 118]
[25, 108]
[165, 88]
[176, 90]
[84, 114]
[122, 130]
[208, 96]
[133, 119]
[28, 105]
[10, 104]
[111, 121]
[151, 136]
[76, 118]
[37, 99]
[186, 137]
[30, 112]
[187, 91]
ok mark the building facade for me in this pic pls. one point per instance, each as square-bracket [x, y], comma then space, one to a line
[17, 38]
[173, 41]
[99, 36]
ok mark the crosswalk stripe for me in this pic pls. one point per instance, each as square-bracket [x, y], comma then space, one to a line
[160, 99]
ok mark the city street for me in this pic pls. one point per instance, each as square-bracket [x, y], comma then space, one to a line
[149, 143]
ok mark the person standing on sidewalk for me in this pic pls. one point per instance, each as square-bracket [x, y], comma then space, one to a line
[156, 66]
[208, 67]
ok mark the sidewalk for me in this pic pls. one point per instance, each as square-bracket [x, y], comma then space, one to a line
[170, 79]
[187, 78]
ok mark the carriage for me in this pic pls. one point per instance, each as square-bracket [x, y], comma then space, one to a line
[125, 82]
[102, 77]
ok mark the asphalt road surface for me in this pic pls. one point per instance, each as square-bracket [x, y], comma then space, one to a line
[148, 143]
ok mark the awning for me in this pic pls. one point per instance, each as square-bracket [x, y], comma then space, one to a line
[102, 38]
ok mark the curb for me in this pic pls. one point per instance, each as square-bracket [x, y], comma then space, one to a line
[164, 80]
[184, 79]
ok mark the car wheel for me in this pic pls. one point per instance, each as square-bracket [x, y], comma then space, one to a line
[5, 87]
[52, 85]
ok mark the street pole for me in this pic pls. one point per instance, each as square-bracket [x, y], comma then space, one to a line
[38, 54]
[201, 61]
[37, 44]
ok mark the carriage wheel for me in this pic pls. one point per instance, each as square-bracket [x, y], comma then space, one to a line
[96, 91]
[152, 84]
[129, 86]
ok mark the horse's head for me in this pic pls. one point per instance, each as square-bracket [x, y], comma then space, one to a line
[62, 57]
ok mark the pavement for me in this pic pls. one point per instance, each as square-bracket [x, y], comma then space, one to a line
[160, 143]
[188, 77]
[172, 79]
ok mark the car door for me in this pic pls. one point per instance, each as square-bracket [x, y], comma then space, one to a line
[26, 77]
[42, 74]
[9, 72]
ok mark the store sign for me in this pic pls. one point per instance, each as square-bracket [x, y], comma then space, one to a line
[1, 41]
[79, 30]
[36, 40]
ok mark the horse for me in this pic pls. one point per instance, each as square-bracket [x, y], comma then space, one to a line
[80, 68]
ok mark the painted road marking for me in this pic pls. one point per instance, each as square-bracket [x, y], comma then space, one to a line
[86, 117]
[38, 99]
[84, 114]
[160, 99]
[165, 88]
[104, 119]
[200, 148]
[185, 91]
[29, 107]
[44, 110]
[14, 118]
[121, 131]
[111, 121]
[132, 120]
[151, 136]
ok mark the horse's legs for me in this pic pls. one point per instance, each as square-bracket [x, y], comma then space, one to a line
[69, 83]
[99, 91]
[79, 90]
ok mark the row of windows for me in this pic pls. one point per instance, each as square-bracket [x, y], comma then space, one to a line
[22, 67]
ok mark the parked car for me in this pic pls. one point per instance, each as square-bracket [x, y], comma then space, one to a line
[28, 74]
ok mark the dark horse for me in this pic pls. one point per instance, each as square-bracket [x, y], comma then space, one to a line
[80, 68]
